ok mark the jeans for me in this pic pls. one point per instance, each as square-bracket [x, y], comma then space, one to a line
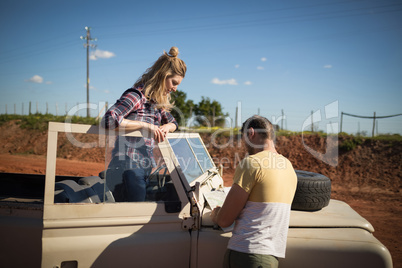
[135, 181]
[128, 179]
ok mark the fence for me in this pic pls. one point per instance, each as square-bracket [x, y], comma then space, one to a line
[374, 117]
[55, 109]
[97, 110]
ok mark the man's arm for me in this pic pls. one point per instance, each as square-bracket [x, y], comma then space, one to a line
[234, 203]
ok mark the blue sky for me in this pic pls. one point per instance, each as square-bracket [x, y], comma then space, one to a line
[264, 57]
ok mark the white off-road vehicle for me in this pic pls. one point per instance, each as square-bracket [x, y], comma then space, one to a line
[80, 221]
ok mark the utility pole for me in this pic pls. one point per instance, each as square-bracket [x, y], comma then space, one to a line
[87, 45]
[237, 111]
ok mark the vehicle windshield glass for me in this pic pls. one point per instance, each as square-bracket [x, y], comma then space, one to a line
[192, 157]
[201, 154]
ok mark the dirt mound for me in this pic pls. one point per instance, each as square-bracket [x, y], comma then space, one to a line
[366, 174]
[373, 163]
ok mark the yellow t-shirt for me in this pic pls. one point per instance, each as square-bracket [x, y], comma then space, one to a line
[263, 224]
[267, 177]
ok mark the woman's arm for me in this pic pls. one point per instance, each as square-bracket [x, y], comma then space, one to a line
[131, 125]
[129, 101]
[169, 127]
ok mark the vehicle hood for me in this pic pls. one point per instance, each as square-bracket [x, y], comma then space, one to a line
[337, 214]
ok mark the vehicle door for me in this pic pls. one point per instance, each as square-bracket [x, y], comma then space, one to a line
[201, 177]
[84, 225]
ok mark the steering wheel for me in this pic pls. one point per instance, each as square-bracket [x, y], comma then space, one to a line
[161, 178]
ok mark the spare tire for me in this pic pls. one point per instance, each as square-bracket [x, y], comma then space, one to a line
[313, 191]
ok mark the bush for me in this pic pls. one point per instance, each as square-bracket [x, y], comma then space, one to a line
[350, 143]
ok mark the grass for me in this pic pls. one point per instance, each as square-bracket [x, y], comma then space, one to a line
[40, 121]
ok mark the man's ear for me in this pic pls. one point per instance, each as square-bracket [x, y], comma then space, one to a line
[250, 133]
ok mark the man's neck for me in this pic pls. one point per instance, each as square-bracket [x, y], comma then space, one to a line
[266, 146]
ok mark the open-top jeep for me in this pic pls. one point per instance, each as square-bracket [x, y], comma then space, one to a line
[81, 221]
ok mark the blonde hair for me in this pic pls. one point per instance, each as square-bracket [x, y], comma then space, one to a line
[153, 79]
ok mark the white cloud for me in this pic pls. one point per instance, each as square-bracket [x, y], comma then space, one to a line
[248, 83]
[35, 79]
[263, 59]
[101, 54]
[260, 68]
[328, 66]
[237, 66]
[90, 87]
[96, 89]
[232, 82]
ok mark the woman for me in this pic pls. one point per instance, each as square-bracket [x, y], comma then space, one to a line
[145, 106]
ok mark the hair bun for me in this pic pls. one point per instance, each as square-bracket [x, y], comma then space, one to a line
[173, 52]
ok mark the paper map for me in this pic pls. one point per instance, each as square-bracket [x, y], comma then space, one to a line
[215, 198]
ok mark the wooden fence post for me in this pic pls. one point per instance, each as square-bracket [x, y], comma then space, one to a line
[312, 122]
[373, 125]
[341, 122]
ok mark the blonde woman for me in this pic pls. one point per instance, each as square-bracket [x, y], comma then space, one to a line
[144, 106]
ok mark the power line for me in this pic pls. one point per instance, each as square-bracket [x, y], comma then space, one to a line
[237, 14]
[345, 12]
[267, 21]
[42, 50]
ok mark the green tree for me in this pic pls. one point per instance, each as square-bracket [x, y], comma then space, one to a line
[209, 113]
[183, 108]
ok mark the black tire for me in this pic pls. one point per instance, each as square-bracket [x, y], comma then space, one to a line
[313, 191]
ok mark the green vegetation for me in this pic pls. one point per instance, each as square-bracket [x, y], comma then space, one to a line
[40, 121]
[183, 108]
[350, 143]
[388, 137]
[206, 112]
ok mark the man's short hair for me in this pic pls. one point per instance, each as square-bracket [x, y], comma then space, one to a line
[261, 125]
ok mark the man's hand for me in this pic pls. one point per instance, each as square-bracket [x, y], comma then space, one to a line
[214, 214]
[233, 205]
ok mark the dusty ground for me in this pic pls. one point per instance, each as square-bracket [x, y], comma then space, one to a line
[368, 177]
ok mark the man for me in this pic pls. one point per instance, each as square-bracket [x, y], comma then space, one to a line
[259, 201]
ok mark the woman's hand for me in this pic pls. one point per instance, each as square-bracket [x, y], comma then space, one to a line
[166, 128]
[159, 134]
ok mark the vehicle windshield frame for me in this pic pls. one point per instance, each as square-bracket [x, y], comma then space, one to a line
[185, 145]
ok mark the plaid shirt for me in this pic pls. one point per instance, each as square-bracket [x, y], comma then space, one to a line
[133, 105]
